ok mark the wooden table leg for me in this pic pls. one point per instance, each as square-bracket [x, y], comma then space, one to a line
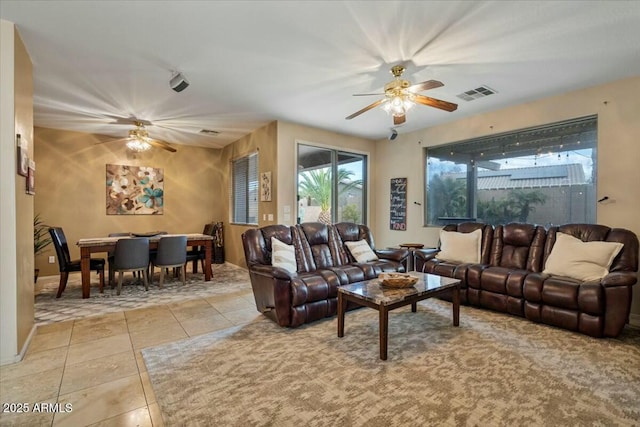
[85, 270]
[207, 260]
[414, 307]
[456, 306]
[342, 307]
[384, 331]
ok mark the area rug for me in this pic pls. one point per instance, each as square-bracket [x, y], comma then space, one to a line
[226, 278]
[494, 370]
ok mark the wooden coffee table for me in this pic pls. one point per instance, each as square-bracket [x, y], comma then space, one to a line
[371, 293]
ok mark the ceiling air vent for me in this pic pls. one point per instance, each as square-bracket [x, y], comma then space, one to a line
[209, 132]
[479, 92]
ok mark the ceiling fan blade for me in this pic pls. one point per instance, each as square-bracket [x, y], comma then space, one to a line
[429, 84]
[119, 120]
[437, 103]
[398, 120]
[367, 108]
[161, 144]
[368, 94]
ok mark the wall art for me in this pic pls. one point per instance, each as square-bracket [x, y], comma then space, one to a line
[22, 147]
[31, 178]
[134, 190]
[265, 187]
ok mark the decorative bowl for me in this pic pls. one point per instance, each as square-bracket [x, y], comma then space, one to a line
[397, 280]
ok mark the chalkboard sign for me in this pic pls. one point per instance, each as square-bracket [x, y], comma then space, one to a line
[398, 205]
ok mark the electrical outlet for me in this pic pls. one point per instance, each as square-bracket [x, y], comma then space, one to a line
[52, 259]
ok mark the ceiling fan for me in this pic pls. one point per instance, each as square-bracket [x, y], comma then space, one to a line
[139, 139]
[400, 95]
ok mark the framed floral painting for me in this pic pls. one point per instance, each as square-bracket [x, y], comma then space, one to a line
[134, 190]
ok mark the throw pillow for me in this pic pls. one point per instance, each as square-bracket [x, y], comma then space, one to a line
[361, 251]
[460, 247]
[580, 260]
[283, 255]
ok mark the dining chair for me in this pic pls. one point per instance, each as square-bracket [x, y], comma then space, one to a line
[67, 265]
[198, 254]
[131, 255]
[172, 253]
[110, 256]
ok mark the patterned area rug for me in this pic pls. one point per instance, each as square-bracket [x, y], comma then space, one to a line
[494, 370]
[226, 278]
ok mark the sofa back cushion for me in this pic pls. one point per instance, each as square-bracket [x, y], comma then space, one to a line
[257, 242]
[518, 246]
[487, 236]
[318, 249]
[350, 232]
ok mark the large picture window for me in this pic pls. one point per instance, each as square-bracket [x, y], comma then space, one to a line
[544, 175]
[245, 189]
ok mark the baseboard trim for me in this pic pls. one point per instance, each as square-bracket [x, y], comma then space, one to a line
[18, 357]
[634, 320]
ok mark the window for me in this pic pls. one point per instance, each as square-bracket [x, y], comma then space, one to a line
[331, 185]
[245, 190]
[544, 175]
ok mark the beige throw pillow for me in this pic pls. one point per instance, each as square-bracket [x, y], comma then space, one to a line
[361, 251]
[460, 247]
[580, 260]
[283, 255]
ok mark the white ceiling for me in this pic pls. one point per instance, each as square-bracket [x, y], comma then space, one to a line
[249, 63]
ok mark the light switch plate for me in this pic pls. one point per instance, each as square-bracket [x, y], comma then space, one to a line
[52, 259]
[287, 209]
[270, 217]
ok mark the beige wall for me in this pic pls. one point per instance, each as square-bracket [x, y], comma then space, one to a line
[289, 135]
[264, 142]
[24, 202]
[70, 187]
[618, 110]
[16, 212]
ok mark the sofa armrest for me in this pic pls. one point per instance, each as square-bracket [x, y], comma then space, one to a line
[426, 254]
[393, 254]
[269, 270]
[619, 278]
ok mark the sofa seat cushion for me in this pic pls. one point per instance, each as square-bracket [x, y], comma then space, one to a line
[565, 293]
[373, 268]
[561, 292]
[502, 280]
[348, 273]
[311, 287]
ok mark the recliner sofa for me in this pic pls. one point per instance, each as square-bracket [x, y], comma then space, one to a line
[509, 277]
[323, 264]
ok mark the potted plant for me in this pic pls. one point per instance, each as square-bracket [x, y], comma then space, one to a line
[41, 240]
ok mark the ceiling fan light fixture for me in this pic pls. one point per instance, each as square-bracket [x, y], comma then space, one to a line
[137, 139]
[138, 145]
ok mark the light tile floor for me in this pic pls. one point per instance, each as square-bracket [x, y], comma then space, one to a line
[95, 364]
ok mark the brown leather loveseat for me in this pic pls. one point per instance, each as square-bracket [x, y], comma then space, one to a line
[322, 263]
[511, 277]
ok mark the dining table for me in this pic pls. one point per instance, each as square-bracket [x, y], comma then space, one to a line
[92, 245]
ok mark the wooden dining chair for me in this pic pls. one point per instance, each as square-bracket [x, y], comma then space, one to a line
[131, 255]
[172, 253]
[197, 254]
[67, 265]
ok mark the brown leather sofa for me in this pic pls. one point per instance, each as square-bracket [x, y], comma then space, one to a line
[509, 277]
[323, 264]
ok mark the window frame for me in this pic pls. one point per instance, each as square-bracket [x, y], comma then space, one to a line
[563, 136]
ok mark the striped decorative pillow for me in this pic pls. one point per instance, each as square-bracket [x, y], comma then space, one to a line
[283, 255]
[361, 251]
